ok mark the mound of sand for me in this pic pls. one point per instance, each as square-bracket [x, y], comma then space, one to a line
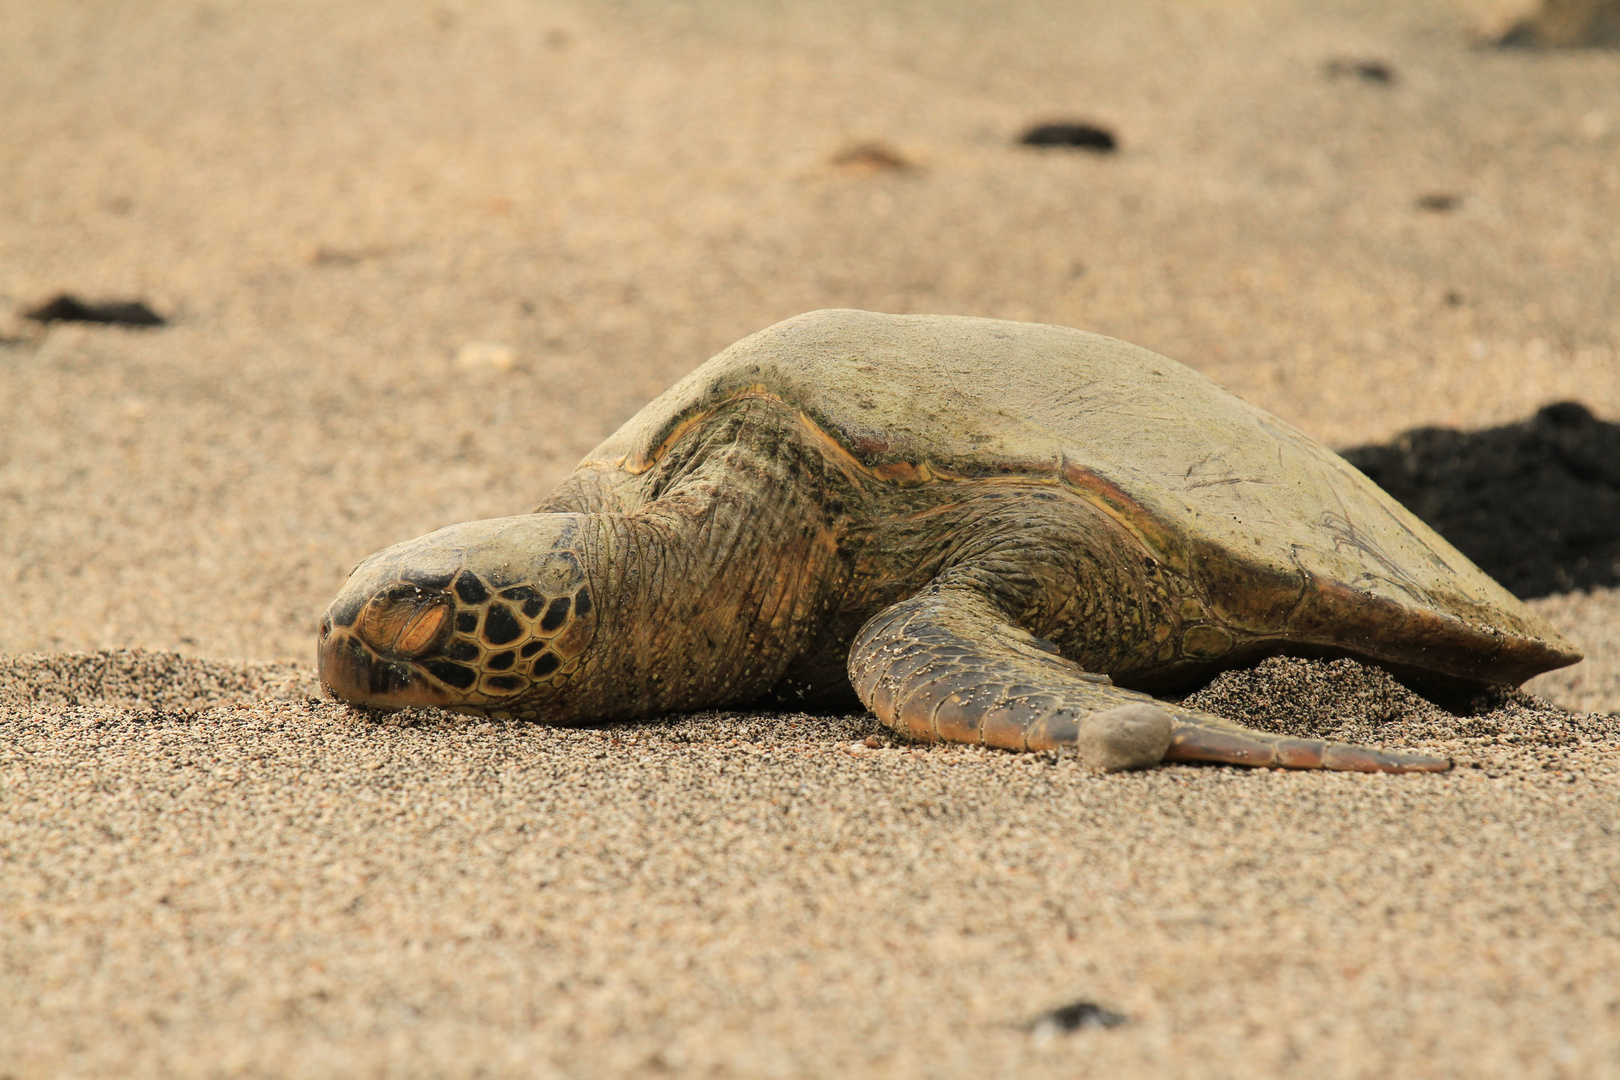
[1347, 701]
[137, 679]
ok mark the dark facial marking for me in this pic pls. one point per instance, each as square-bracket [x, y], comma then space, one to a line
[532, 607]
[501, 660]
[389, 678]
[345, 615]
[518, 594]
[466, 621]
[530, 649]
[556, 614]
[546, 665]
[462, 650]
[505, 682]
[454, 674]
[582, 603]
[470, 589]
[500, 625]
[437, 581]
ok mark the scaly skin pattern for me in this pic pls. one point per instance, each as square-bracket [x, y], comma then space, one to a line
[748, 568]
[743, 549]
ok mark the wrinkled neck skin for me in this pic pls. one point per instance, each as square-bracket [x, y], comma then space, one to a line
[568, 618]
[697, 613]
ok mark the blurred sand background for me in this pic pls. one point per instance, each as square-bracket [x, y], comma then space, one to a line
[420, 257]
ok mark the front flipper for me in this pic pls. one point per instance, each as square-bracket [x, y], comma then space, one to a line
[947, 666]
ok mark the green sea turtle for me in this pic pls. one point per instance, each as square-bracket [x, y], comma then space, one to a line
[994, 532]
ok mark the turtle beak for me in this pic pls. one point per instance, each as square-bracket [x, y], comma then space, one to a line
[365, 651]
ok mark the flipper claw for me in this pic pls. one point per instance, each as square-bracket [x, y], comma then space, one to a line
[1194, 740]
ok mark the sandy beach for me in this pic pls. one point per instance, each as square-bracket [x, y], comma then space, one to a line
[417, 258]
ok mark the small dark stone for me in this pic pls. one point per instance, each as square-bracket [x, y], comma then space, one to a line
[1077, 1017]
[1439, 202]
[1374, 71]
[69, 308]
[1535, 504]
[1078, 136]
[325, 256]
[1453, 298]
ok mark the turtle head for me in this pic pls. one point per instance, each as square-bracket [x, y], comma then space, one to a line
[490, 617]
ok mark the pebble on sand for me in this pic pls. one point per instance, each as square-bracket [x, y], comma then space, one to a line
[1373, 71]
[1071, 134]
[66, 307]
[486, 356]
[867, 158]
[1077, 1016]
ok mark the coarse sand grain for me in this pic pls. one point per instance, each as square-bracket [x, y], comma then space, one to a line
[136, 679]
[229, 885]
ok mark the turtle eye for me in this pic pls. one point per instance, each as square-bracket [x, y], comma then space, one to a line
[404, 620]
[421, 631]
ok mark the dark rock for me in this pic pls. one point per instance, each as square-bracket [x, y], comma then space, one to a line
[1078, 136]
[1076, 1017]
[1534, 504]
[69, 308]
[1374, 71]
[1567, 24]
[1439, 202]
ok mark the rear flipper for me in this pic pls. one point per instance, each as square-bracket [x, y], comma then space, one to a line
[947, 666]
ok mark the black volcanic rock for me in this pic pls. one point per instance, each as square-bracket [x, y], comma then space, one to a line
[69, 308]
[1535, 504]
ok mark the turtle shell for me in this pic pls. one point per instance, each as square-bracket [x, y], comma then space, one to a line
[1286, 539]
